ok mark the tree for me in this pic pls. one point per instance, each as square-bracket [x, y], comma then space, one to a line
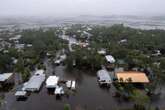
[140, 99]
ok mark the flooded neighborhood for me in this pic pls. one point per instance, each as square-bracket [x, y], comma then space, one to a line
[82, 55]
[66, 78]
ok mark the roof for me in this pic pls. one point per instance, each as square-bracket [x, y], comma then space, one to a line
[16, 37]
[102, 51]
[20, 93]
[110, 58]
[39, 72]
[63, 57]
[35, 82]
[5, 76]
[68, 83]
[104, 75]
[73, 86]
[135, 77]
[57, 61]
[59, 90]
[52, 81]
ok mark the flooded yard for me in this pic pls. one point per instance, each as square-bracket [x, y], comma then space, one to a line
[88, 95]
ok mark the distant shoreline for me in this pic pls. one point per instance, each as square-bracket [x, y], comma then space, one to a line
[145, 23]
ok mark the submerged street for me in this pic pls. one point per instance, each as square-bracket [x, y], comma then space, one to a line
[88, 94]
[134, 79]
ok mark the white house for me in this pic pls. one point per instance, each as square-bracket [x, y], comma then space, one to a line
[39, 72]
[17, 37]
[20, 94]
[104, 77]
[59, 91]
[101, 51]
[73, 86]
[52, 82]
[110, 59]
[6, 77]
[35, 83]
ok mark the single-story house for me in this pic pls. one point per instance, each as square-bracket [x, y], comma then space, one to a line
[104, 77]
[52, 82]
[17, 37]
[110, 59]
[63, 57]
[7, 78]
[110, 62]
[21, 94]
[39, 72]
[34, 83]
[101, 51]
[59, 91]
[29, 45]
[19, 46]
[132, 77]
[71, 84]
[122, 41]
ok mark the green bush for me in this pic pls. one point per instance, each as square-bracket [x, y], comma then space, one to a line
[67, 107]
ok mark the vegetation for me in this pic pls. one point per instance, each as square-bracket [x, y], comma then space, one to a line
[137, 51]
[136, 48]
[41, 42]
[85, 59]
[67, 107]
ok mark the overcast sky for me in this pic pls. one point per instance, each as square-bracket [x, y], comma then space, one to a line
[81, 7]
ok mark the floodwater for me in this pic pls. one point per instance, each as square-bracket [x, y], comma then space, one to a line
[88, 95]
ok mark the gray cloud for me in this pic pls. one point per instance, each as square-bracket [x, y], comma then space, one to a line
[80, 7]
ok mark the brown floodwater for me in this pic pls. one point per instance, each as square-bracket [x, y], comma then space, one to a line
[88, 95]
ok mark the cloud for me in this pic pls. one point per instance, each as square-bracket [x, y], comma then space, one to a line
[79, 7]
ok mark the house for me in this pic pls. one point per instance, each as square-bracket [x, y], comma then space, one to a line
[16, 38]
[69, 84]
[19, 46]
[5, 44]
[104, 78]
[52, 82]
[110, 59]
[57, 62]
[34, 83]
[59, 91]
[63, 57]
[20, 94]
[83, 44]
[156, 53]
[73, 86]
[6, 78]
[122, 41]
[39, 72]
[5, 51]
[132, 77]
[29, 45]
[101, 51]
[110, 62]
[14, 60]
